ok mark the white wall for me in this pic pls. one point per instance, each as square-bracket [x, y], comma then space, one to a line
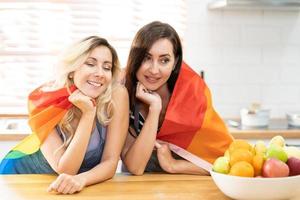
[248, 56]
[6, 146]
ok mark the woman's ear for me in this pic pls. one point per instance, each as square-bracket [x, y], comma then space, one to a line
[71, 75]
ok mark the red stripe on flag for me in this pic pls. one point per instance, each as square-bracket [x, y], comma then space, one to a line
[186, 109]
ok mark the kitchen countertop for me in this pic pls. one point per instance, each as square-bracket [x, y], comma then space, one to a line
[122, 186]
[276, 127]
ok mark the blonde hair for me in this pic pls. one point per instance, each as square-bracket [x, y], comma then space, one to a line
[71, 60]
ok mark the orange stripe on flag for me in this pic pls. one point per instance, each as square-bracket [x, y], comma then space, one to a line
[212, 140]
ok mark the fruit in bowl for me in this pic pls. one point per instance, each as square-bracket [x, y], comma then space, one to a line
[277, 152]
[277, 140]
[259, 171]
[292, 151]
[221, 165]
[258, 188]
[294, 166]
[275, 168]
[243, 159]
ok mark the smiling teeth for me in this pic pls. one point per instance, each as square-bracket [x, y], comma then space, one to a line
[152, 79]
[94, 83]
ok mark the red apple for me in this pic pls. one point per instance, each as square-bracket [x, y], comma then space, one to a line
[294, 165]
[275, 168]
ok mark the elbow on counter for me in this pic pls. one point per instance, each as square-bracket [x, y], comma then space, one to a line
[112, 165]
[137, 171]
[64, 170]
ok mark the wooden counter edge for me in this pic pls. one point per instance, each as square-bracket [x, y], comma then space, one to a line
[260, 134]
[12, 136]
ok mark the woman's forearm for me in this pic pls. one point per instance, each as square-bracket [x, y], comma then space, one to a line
[139, 153]
[115, 138]
[73, 156]
[186, 167]
[105, 170]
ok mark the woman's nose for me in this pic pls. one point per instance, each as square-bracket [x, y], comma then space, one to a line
[99, 71]
[154, 67]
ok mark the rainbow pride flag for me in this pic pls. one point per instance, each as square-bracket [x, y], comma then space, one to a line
[46, 109]
[191, 126]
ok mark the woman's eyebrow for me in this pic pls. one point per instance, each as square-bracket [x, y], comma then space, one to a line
[109, 62]
[92, 58]
[163, 55]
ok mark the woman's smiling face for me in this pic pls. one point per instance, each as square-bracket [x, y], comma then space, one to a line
[157, 65]
[95, 74]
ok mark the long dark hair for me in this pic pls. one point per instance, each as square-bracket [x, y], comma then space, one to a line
[141, 44]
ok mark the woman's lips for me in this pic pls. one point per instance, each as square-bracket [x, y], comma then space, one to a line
[151, 79]
[94, 83]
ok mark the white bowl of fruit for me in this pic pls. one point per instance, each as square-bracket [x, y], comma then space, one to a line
[259, 172]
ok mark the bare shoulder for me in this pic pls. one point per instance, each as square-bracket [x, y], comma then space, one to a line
[120, 106]
[120, 93]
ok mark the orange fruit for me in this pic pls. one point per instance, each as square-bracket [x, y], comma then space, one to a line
[242, 168]
[227, 154]
[241, 155]
[253, 151]
[239, 144]
[257, 163]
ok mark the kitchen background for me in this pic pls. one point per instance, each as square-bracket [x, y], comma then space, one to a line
[248, 55]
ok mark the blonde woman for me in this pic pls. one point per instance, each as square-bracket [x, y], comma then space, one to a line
[80, 125]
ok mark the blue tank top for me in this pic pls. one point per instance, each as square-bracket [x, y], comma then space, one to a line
[36, 163]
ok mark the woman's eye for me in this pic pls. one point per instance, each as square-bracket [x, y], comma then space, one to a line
[147, 58]
[107, 67]
[90, 64]
[165, 61]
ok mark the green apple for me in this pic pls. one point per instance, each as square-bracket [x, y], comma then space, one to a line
[260, 147]
[277, 140]
[221, 165]
[275, 151]
[292, 151]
